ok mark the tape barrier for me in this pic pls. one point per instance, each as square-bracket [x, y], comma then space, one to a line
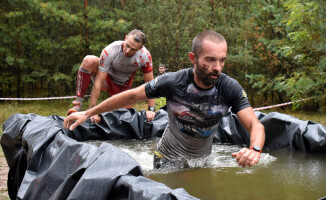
[72, 97]
[282, 104]
[41, 98]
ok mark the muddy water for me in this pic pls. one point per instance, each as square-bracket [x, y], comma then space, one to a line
[281, 174]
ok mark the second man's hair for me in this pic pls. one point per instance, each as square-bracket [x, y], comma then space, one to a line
[139, 36]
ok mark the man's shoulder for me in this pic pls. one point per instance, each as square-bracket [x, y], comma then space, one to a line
[143, 52]
[114, 45]
[117, 43]
[181, 75]
[144, 48]
[226, 79]
[186, 71]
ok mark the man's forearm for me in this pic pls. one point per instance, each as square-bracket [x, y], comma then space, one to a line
[257, 135]
[119, 100]
[151, 102]
[94, 97]
[249, 120]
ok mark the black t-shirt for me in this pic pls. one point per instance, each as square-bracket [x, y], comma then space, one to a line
[194, 113]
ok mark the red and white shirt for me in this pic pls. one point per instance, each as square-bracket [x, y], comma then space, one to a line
[120, 68]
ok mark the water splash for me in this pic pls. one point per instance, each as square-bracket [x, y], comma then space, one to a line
[144, 158]
[220, 158]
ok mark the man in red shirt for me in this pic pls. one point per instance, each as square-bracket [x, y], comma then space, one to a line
[114, 71]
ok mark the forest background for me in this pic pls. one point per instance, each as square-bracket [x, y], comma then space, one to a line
[276, 48]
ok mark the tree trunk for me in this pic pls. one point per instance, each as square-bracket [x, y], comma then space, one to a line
[18, 71]
[212, 5]
[86, 28]
[177, 35]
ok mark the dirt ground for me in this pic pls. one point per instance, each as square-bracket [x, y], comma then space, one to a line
[3, 178]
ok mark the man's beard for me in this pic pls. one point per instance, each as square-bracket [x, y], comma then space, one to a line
[201, 72]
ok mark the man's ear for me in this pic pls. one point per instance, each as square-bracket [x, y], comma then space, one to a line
[126, 37]
[192, 57]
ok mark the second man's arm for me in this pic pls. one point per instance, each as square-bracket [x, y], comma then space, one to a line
[96, 90]
[115, 102]
[150, 115]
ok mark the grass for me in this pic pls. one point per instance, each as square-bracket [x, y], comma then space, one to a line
[60, 107]
[44, 108]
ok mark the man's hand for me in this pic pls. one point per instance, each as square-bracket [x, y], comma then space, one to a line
[150, 115]
[247, 157]
[96, 119]
[73, 120]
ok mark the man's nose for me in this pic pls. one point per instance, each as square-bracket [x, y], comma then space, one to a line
[217, 66]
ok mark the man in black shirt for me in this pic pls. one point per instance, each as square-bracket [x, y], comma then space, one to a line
[197, 99]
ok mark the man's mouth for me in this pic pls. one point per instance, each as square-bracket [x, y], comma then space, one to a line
[213, 76]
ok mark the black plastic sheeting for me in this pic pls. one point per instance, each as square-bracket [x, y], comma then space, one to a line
[47, 162]
[281, 131]
[121, 124]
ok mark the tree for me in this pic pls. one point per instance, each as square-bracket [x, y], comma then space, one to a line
[44, 42]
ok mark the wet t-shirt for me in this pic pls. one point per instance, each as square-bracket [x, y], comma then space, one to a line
[194, 113]
[120, 68]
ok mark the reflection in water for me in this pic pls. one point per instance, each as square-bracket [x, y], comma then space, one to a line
[281, 174]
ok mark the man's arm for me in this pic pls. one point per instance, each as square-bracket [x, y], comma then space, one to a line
[151, 102]
[249, 157]
[117, 101]
[99, 78]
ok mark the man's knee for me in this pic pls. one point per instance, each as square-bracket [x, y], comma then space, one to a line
[90, 63]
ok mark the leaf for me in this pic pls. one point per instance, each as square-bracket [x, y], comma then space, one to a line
[10, 60]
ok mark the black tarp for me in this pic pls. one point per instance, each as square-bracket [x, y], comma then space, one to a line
[47, 162]
[281, 131]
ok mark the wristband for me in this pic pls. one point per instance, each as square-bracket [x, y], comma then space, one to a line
[256, 148]
[151, 108]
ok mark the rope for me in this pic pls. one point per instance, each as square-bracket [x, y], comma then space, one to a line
[41, 98]
[282, 104]
[72, 97]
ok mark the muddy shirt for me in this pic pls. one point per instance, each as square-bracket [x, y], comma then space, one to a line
[120, 68]
[194, 113]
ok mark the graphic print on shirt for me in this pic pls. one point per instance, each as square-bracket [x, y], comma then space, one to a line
[199, 112]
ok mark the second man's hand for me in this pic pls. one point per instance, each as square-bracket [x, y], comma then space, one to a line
[95, 119]
[150, 115]
[74, 119]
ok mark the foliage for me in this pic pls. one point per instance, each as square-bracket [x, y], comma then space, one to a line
[43, 40]
[160, 102]
[276, 49]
